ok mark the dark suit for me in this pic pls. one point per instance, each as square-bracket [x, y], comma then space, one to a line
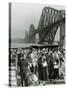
[40, 74]
[23, 71]
[50, 66]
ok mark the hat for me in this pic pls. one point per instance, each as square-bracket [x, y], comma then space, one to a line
[44, 57]
[43, 49]
[22, 56]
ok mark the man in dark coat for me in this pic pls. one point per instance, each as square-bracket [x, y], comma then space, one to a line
[23, 71]
[40, 74]
[50, 66]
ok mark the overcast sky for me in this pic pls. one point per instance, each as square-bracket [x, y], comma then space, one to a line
[24, 14]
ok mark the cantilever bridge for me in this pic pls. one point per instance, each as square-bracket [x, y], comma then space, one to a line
[49, 22]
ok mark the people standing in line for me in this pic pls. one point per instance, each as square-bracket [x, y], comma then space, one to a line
[45, 63]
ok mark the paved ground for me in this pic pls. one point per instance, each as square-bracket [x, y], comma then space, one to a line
[54, 82]
[57, 81]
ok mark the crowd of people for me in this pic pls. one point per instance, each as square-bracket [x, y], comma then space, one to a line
[36, 64]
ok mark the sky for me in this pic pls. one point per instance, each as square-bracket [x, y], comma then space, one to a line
[24, 14]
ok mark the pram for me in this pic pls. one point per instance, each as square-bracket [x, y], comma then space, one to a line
[32, 80]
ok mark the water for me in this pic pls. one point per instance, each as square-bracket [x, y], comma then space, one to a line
[21, 45]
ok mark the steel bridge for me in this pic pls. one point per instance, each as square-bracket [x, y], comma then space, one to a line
[49, 22]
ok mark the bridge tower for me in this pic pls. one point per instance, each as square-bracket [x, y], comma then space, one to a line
[49, 22]
[62, 31]
[31, 34]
